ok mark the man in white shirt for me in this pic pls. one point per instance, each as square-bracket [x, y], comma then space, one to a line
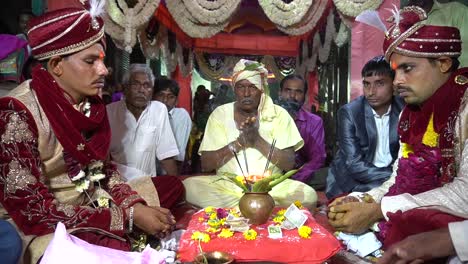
[141, 132]
[166, 91]
[367, 134]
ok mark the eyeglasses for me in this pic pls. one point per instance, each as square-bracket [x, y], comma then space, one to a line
[141, 85]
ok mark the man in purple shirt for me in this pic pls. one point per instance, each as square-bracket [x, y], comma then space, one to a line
[311, 157]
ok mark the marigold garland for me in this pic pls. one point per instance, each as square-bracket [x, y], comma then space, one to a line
[226, 233]
[406, 149]
[200, 236]
[430, 138]
[304, 231]
[298, 204]
[250, 234]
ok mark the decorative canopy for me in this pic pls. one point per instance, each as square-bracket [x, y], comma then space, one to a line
[180, 28]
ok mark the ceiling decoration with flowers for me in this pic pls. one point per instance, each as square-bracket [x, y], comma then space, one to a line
[179, 32]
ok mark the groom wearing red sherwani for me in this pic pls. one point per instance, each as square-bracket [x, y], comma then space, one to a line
[55, 141]
[432, 130]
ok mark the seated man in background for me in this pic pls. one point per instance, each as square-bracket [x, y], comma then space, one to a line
[311, 157]
[433, 129]
[367, 134]
[166, 91]
[141, 131]
[246, 128]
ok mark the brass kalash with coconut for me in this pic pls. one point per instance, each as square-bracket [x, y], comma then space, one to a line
[256, 204]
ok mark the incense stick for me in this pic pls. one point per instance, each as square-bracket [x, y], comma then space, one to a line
[238, 163]
[270, 154]
[245, 160]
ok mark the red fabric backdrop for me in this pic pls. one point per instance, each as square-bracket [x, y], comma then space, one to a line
[185, 94]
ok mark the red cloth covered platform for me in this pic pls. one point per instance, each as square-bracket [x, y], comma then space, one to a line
[321, 245]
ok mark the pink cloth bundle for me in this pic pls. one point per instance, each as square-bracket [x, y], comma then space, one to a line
[70, 249]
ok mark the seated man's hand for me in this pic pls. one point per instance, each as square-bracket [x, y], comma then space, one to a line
[357, 217]
[419, 248]
[339, 201]
[249, 132]
[155, 221]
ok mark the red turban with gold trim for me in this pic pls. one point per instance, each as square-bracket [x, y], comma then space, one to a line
[64, 31]
[410, 37]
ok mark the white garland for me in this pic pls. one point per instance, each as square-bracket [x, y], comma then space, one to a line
[353, 8]
[309, 21]
[214, 75]
[170, 59]
[343, 35]
[318, 50]
[189, 24]
[212, 12]
[270, 64]
[185, 69]
[123, 23]
[284, 14]
[151, 49]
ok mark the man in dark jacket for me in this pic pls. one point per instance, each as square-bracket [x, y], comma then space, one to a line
[367, 134]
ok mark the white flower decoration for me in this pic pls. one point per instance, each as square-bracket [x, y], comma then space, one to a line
[82, 186]
[96, 165]
[97, 177]
[79, 176]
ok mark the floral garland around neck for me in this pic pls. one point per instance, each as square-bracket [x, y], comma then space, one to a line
[430, 139]
[92, 173]
[353, 8]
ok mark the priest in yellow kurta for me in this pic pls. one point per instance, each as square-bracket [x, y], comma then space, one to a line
[246, 129]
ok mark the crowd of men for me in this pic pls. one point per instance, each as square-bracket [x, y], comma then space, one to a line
[400, 169]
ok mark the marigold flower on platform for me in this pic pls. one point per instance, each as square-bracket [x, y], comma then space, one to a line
[212, 230]
[250, 234]
[200, 236]
[210, 209]
[201, 219]
[215, 223]
[226, 233]
[298, 204]
[281, 212]
[213, 216]
[234, 212]
[279, 219]
[304, 231]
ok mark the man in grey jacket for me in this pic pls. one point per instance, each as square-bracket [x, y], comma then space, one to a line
[367, 134]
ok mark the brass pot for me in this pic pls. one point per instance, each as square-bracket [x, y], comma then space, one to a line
[256, 207]
[215, 257]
